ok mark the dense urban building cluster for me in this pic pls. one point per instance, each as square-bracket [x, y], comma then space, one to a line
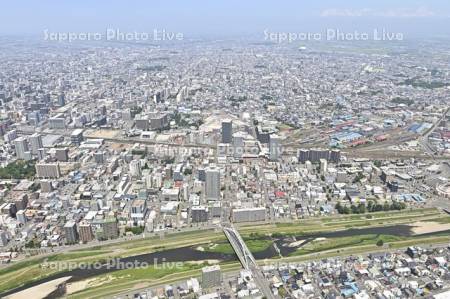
[125, 141]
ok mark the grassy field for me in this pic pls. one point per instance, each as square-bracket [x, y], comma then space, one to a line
[443, 220]
[27, 271]
[338, 243]
[131, 277]
[76, 255]
[124, 280]
[326, 224]
[255, 244]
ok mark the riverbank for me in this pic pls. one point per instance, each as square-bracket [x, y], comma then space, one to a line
[394, 228]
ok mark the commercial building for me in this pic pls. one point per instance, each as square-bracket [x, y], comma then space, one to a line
[99, 157]
[35, 143]
[61, 99]
[48, 170]
[3, 239]
[41, 154]
[135, 169]
[323, 166]
[77, 136]
[158, 121]
[170, 194]
[201, 174]
[274, 147]
[142, 123]
[21, 201]
[21, 146]
[335, 156]
[263, 133]
[211, 276]
[212, 183]
[238, 144]
[314, 155]
[107, 228]
[138, 210]
[71, 233]
[443, 190]
[199, 214]
[62, 154]
[227, 131]
[20, 216]
[10, 136]
[57, 122]
[249, 214]
[85, 231]
[46, 186]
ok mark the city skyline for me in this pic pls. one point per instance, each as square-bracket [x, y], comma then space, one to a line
[225, 149]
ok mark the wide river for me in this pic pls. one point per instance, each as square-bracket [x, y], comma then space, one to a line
[191, 253]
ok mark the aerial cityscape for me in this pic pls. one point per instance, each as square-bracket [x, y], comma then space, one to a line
[279, 163]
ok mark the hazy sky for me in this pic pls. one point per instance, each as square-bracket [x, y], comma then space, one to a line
[198, 17]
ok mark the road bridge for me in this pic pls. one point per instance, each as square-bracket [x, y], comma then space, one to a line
[247, 260]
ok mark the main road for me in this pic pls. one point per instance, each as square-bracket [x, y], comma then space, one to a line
[424, 141]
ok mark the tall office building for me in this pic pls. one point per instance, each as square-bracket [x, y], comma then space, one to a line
[41, 154]
[46, 186]
[70, 230]
[158, 121]
[21, 201]
[20, 216]
[212, 183]
[103, 110]
[34, 118]
[303, 155]
[249, 214]
[61, 99]
[138, 209]
[3, 239]
[21, 145]
[85, 231]
[199, 214]
[238, 144]
[108, 228]
[227, 131]
[274, 147]
[201, 174]
[10, 136]
[142, 123]
[62, 154]
[77, 136]
[57, 122]
[99, 157]
[335, 156]
[35, 143]
[211, 276]
[135, 168]
[323, 166]
[314, 155]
